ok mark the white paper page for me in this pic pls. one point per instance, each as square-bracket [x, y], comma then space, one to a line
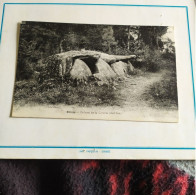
[99, 139]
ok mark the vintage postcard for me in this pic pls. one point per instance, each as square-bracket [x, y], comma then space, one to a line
[88, 71]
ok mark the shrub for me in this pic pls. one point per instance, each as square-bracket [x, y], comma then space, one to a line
[169, 56]
[118, 50]
[69, 92]
[164, 92]
[149, 59]
[51, 69]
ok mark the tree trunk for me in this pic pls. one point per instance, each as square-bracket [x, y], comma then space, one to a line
[109, 48]
[128, 39]
[61, 46]
[157, 42]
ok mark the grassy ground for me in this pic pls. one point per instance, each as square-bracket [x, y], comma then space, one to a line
[67, 93]
[164, 92]
[145, 89]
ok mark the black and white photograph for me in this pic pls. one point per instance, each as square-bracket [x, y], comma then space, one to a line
[96, 71]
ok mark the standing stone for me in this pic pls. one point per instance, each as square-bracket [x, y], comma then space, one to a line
[80, 71]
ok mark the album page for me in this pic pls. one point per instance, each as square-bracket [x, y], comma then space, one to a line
[97, 79]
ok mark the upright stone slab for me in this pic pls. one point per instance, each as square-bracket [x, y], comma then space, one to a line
[105, 72]
[120, 68]
[80, 71]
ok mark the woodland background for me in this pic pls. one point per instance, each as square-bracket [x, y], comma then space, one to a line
[39, 40]
[155, 54]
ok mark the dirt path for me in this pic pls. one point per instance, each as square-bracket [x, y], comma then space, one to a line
[133, 87]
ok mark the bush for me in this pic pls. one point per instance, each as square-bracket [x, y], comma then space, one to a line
[51, 69]
[169, 56]
[149, 59]
[118, 50]
[164, 93]
[69, 92]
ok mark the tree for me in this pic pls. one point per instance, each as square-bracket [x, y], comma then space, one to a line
[39, 40]
[108, 38]
[151, 35]
[168, 46]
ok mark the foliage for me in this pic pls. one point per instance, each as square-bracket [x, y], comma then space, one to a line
[151, 35]
[70, 93]
[151, 59]
[169, 56]
[108, 39]
[169, 50]
[164, 92]
[39, 40]
[51, 70]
